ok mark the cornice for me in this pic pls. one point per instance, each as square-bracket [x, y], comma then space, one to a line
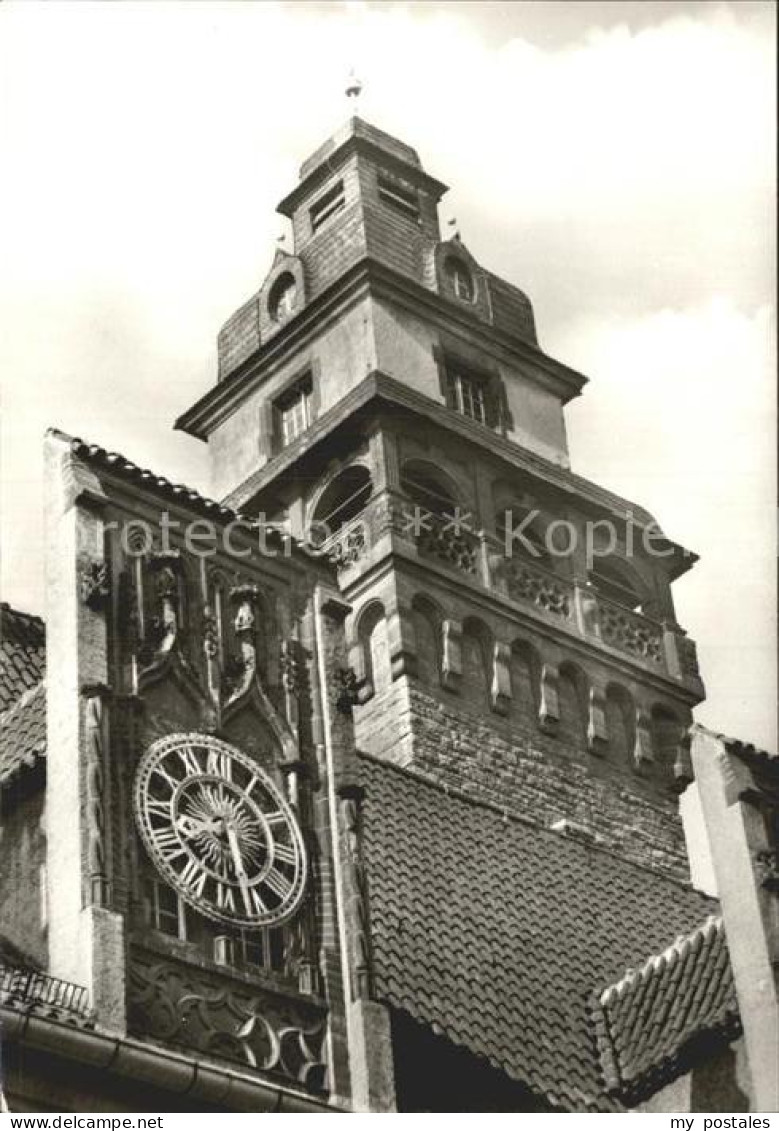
[493, 604]
[369, 277]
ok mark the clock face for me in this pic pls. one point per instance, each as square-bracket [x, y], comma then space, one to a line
[219, 831]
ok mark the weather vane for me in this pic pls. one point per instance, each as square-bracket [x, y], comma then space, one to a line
[353, 86]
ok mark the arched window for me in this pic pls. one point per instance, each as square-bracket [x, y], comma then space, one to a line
[522, 536]
[340, 502]
[420, 483]
[460, 278]
[617, 583]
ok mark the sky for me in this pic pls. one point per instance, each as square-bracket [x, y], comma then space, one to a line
[615, 160]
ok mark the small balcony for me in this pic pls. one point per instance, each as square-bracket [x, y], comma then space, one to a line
[390, 523]
[25, 989]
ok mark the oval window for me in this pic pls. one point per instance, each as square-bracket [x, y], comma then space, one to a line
[283, 297]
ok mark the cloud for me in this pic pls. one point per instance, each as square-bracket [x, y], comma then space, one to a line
[687, 398]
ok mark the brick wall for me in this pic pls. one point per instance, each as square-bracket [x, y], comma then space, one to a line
[511, 764]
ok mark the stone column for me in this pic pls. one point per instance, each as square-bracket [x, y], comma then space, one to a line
[86, 938]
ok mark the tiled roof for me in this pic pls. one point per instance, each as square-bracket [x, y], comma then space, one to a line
[747, 751]
[650, 1021]
[22, 653]
[497, 933]
[22, 691]
[23, 733]
[179, 493]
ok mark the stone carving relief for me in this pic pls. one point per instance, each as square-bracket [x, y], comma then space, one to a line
[450, 543]
[526, 583]
[227, 1019]
[357, 897]
[96, 744]
[94, 584]
[630, 632]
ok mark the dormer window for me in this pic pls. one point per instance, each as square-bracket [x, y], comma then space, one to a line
[283, 297]
[461, 279]
[399, 194]
[327, 206]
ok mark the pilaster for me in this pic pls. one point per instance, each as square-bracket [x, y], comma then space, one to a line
[86, 938]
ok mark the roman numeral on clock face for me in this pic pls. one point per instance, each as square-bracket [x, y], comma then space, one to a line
[224, 898]
[219, 764]
[190, 762]
[284, 853]
[193, 876]
[278, 884]
[168, 843]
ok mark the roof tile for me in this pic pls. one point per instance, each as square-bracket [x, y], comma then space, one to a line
[497, 933]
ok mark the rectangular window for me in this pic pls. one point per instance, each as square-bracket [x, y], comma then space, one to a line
[327, 205]
[165, 910]
[293, 412]
[399, 194]
[259, 950]
[466, 394]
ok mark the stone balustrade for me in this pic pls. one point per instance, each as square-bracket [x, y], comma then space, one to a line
[578, 607]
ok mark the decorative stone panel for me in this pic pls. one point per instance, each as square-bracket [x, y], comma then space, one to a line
[630, 632]
[226, 1018]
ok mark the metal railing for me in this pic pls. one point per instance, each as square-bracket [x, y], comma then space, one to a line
[24, 987]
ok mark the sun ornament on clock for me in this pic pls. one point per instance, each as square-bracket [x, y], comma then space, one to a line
[219, 831]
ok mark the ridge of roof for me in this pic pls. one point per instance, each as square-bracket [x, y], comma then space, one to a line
[678, 951]
[23, 734]
[22, 653]
[651, 1023]
[31, 619]
[737, 746]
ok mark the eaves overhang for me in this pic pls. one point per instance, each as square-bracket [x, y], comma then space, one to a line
[368, 276]
[186, 1076]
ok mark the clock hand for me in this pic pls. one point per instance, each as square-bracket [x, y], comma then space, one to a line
[240, 871]
[191, 826]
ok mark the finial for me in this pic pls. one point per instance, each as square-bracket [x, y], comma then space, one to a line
[452, 223]
[353, 86]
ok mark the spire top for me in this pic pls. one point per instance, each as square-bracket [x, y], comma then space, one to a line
[353, 87]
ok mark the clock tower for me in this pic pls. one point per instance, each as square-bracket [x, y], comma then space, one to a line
[384, 398]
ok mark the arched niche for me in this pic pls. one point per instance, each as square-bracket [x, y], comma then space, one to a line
[620, 725]
[373, 640]
[525, 674]
[476, 662]
[427, 632]
[617, 581]
[573, 700]
[669, 740]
